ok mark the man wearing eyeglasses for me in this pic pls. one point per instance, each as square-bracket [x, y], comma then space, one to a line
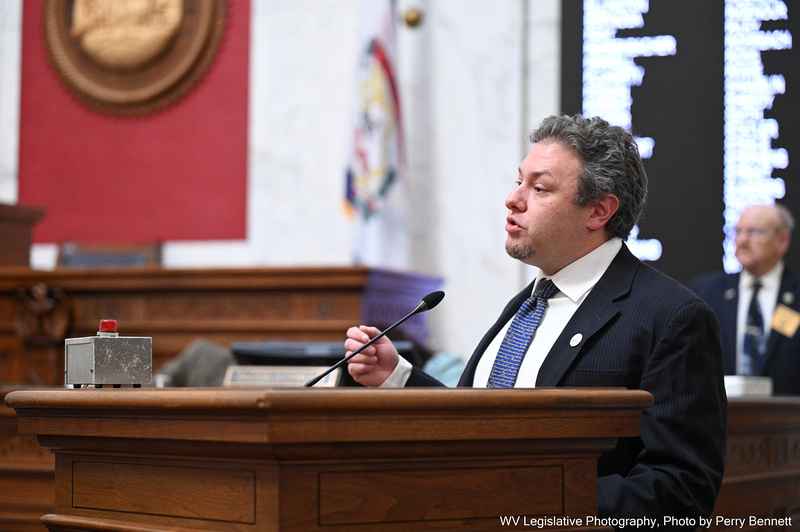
[758, 308]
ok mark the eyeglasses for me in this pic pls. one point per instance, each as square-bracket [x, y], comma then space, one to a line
[751, 232]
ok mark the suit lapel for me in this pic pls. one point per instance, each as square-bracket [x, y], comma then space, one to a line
[468, 376]
[600, 307]
[728, 311]
[775, 339]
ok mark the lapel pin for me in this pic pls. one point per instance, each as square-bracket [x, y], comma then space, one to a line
[730, 293]
[575, 340]
[788, 298]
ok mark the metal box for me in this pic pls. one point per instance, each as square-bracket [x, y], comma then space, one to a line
[108, 361]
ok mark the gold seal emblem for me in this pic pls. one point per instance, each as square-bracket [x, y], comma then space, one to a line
[132, 56]
[125, 34]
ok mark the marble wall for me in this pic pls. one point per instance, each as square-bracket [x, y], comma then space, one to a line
[471, 69]
[302, 68]
[475, 77]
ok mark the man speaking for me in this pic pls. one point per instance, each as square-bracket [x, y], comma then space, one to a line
[596, 316]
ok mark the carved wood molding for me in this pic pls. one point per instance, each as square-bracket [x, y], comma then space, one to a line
[177, 306]
[188, 279]
[67, 523]
[44, 315]
[768, 452]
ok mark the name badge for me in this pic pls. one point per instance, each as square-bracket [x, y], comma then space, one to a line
[785, 320]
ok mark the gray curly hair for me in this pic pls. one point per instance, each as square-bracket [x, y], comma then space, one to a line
[611, 165]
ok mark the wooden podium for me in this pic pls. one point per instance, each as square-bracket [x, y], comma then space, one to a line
[16, 230]
[322, 460]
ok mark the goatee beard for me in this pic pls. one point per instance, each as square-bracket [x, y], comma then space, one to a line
[519, 251]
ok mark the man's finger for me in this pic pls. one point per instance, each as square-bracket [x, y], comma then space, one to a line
[362, 358]
[357, 334]
[359, 370]
[354, 345]
[371, 331]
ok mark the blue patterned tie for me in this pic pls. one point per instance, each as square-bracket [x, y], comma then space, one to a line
[519, 336]
[754, 344]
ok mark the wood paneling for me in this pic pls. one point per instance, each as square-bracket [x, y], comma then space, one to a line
[359, 497]
[192, 492]
[26, 476]
[762, 471]
[175, 307]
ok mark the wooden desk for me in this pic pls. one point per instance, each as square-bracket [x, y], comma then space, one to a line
[762, 471]
[38, 309]
[27, 479]
[322, 460]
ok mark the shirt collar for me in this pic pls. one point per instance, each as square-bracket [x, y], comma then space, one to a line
[769, 281]
[576, 279]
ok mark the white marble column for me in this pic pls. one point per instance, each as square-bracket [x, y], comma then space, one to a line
[461, 76]
[10, 48]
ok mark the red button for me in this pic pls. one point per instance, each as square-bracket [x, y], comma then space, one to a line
[108, 326]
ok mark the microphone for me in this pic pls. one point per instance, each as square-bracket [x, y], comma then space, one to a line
[427, 303]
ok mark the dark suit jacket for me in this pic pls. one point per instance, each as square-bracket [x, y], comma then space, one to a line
[643, 330]
[721, 292]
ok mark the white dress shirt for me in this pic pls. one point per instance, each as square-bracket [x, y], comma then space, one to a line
[767, 299]
[574, 283]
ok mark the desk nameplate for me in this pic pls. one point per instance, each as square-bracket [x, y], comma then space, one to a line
[278, 376]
